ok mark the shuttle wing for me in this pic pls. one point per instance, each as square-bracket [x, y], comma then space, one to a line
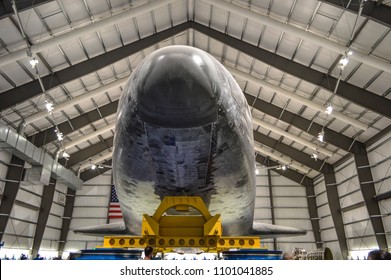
[266, 231]
[106, 229]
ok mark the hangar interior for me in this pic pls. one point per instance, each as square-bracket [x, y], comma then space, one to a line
[316, 74]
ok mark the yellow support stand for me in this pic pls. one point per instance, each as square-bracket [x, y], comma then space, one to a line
[164, 232]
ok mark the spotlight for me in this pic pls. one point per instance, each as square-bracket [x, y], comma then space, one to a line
[321, 136]
[93, 166]
[350, 52]
[343, 62]
[33, 62]
[49, 106]
[60, 136]
[256, 171]
[281, 167]
[329, 109]
[314, 156]
[65, 155]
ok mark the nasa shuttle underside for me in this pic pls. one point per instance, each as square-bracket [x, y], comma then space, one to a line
[184, 128]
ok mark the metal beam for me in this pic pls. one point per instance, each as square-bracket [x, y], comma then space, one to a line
[7, 11]
[382, 196]
[335, 208]
[313, 211]
[288, 173]
[372, 10]
[66, 221]
[368, 191]
[337, 139]
[297, 155]
[353, 206]
[90, 174]
[11, 187]
[364, 98]
[88, 152]
[48, 135]
[46, 205]
[32, 89]
[355, 94]
[269, 181]
[378, 136]
[24, 204]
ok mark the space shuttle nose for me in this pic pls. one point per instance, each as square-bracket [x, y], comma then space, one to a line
[178, 88]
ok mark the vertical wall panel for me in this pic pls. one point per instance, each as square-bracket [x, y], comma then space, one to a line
[90, 209]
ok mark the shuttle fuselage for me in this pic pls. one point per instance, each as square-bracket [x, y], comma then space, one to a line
[184, 128]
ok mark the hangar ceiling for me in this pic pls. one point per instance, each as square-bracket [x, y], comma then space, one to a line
[285, 55]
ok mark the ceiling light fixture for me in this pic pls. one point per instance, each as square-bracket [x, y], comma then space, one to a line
[329, 109]
[343, 62]
[59, 134]
[291, 136]
[65, 155]
[33, 62]
[296, 97]
[93, 166]
[282, 167]
[314, 156]
[284, 161]
[321, 136]
[49, 106]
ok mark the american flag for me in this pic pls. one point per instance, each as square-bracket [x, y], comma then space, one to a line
[114, 208]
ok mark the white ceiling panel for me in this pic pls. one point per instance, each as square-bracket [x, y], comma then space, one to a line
[55, 20]
[383, 49]
[344, 28]
[302, 13]
[55, 59]
[75, 11]
[325, 59]
[90, 81]
[73, 51]
[281, 8]
[92, 44]
[16, 74]
[178, 11]
[322, 22]
[144, 25]
[363, 75]
[202, 12]
[235, 25]
[381, 85]
[371, 32]
[4, 84]
[110, 38]
[121, 68]
[98, 8]
[305, 53]
[32, 25]
[252, 32]
[11, 36]
[270, 39]
[218, 19]
[127, 31]
[380, 124]
[288, 45]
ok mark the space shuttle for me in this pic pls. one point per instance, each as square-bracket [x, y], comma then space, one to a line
[184, 128]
